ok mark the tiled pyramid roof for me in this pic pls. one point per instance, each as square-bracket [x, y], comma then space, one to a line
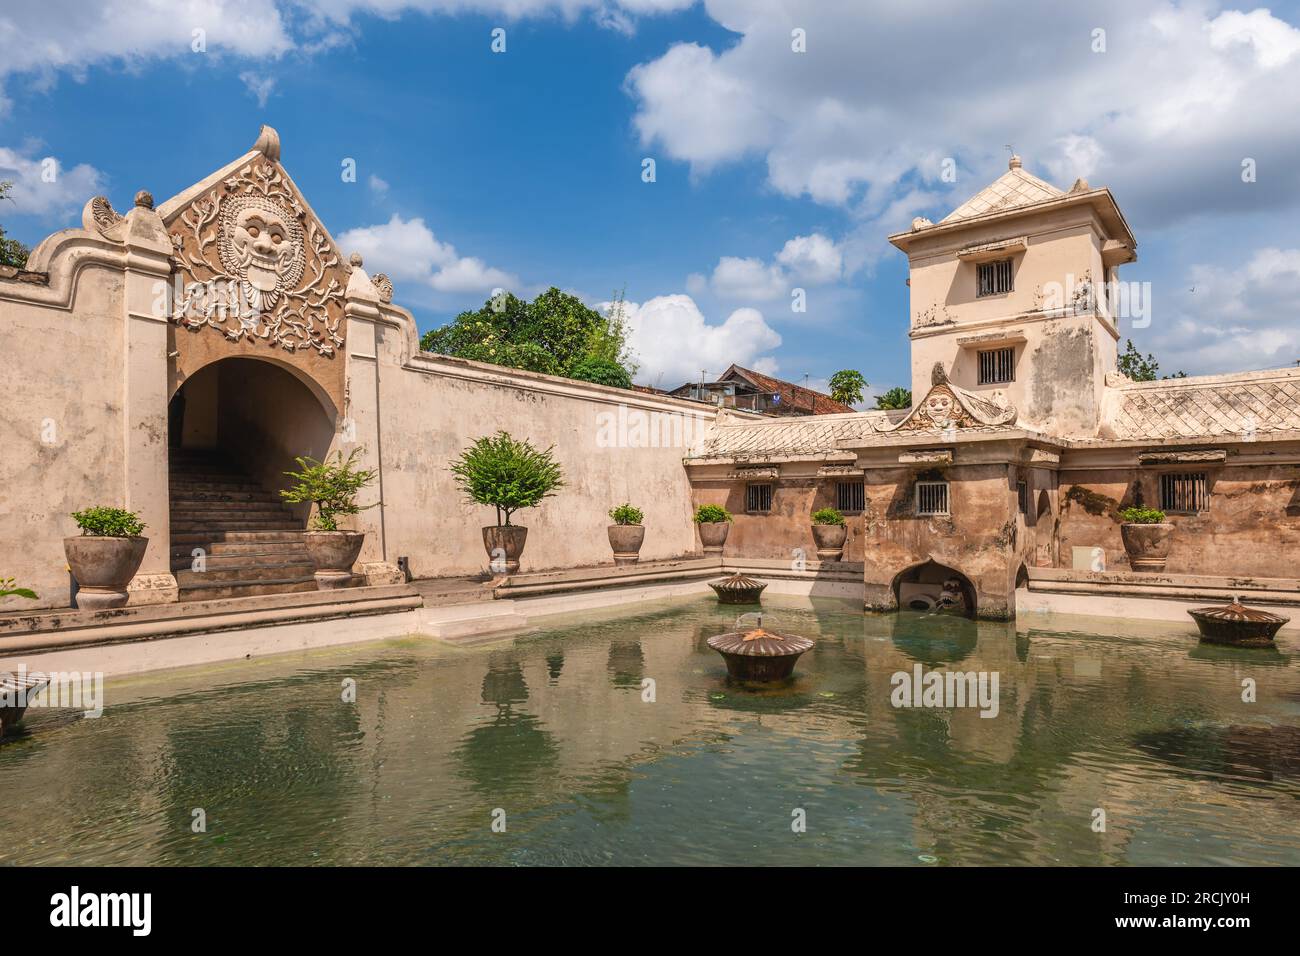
[1012, 189]
[1208, 406]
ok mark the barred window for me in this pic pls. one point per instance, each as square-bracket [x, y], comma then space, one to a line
[850, 496]
[997, 366]
[932, 497]
[994, 278]
[1022, 497]
[758, 499]
[1184, 493]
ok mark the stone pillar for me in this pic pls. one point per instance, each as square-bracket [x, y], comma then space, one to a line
[144, 395]
[361, 422]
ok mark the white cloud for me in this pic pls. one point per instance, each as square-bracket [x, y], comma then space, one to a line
[260, 84]
[43, 187]
[673, 341]
[861, 117]
[1238, 318]
[407, 250]
[802, 261]
[378, 185]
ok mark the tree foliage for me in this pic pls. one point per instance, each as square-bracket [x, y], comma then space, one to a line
[12, 252]
[555, 334]
[1140, 369]
[331, 486]
[896, 398]
[507, 474]
[105, 522]
[602, 372]
[847, 385]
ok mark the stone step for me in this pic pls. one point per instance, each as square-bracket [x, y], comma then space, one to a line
[183, 555]
[186, 498]
[243, 574]
[216, 482]
[210, 527]
[217, 590]
[210, 539]
[232, 511]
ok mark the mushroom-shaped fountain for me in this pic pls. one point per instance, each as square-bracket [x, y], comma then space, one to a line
[738, 589]
[759, 654]
[1237, 624]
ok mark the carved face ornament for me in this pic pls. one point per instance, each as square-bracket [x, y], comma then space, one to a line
[261, 245]
[938, 407]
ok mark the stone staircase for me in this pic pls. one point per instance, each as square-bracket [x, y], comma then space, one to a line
[252, 544]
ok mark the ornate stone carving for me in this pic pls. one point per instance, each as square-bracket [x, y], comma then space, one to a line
[256, 266]
[947, 407]
[383, 285]
[103, 215]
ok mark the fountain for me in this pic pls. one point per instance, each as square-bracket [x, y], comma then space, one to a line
[1237, 624]
[738, 589]
[759, 654]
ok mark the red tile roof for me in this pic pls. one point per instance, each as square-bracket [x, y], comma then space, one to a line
[793, 397]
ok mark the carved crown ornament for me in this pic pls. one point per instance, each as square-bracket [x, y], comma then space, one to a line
[947, 407]
[253, 264]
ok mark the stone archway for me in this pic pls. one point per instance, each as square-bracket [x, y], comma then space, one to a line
[928, 585]
[234, 427]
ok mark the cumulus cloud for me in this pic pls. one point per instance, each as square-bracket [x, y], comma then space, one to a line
[407, 250]
[673, 341]
[1178, 98]
[802, 261]
[42, 186]
[1246, 315]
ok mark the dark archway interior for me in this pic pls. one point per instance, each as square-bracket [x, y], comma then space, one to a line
[253, 413]
[922, 587]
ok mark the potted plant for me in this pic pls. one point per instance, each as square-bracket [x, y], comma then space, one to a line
[509, 475]
[626, 533]
[1147, 537]
[829, 532]
[714, 521]
[105, 556]
[331, 486]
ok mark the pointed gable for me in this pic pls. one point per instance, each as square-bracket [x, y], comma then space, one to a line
[1011, 190]
[946, 406]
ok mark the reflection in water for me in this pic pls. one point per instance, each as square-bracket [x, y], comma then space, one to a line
[440, 737]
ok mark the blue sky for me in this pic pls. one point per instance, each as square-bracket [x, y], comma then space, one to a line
[774, 169]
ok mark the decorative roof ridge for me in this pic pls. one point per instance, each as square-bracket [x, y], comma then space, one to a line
[1192, 382]
[936, 411]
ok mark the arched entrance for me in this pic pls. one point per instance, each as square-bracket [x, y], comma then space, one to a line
[234, 427]
[932, 586]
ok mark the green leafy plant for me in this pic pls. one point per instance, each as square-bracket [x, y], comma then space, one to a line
[12, 252]
[602, 372]
[105, 522]
[1141, 516]
[507, 474]
[626, 514]
[827, 516]
[847, 385]
[7, 589]
[896, 398]
[331, 486]
[711, 514]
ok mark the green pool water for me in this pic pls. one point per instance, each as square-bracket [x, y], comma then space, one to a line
[553, 734]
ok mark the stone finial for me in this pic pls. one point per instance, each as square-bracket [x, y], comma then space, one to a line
[354, 260]
[1014, 162]
[268, 143]
[1080, 186]
[920, 222]
[144, 199]
[937, 375]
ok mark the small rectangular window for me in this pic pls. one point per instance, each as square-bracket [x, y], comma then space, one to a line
[994, 278]
[850, 496]
[932, 497]
[1186, 493]
[1022, 497]
[758, 499]
[997, 366]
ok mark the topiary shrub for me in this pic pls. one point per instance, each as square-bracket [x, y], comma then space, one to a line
[602, 372]
[1142, 516]
[711, 514]
[507, 474]
[626, 514]
[105, 522]
[827, 516]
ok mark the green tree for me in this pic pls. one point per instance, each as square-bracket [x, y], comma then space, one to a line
[847, 385]
[507, 474]
[12, 252]
[1132, 364]
[552, 334]
[896, 397]
[602, 372]
[332, 486]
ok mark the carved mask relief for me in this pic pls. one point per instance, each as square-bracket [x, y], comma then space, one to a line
[254, 265]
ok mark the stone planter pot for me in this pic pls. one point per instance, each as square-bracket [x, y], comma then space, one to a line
[1147, 545]
[333, 553]
[713, 534]
[103, 567]
[626, 540]
[830, 540]
[504, 541]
